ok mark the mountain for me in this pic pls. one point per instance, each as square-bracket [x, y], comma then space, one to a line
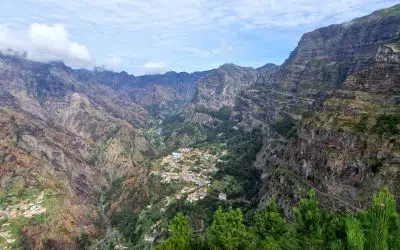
[60, 147]
[69, 134]
[321, 111]
[220, 87]
[106, 159]
[158, 89]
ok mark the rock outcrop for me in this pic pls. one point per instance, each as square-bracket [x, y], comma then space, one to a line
[221, 87]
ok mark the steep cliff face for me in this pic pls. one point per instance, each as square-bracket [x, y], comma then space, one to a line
[221, 87]
[321, 62]
[345, 144]
[358, 134]
[347, 148]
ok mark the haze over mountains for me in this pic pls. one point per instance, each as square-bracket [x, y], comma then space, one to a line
[108, 158]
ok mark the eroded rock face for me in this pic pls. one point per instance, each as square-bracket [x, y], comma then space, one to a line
[321, 62]
[346, 145]
[344, 148]
[221, 87]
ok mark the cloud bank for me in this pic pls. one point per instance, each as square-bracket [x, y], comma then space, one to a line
[154, 67]
[113, 63]
[45, 43]
[183, 34]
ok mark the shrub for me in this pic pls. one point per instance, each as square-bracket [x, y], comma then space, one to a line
[287, 127]
[387, 125]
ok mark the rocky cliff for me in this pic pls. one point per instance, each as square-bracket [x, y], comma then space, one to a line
[322, 111]
[343, 76]
[220, 87]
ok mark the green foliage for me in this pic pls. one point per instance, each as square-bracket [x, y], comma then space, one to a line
[173, 120]
[223, 113]
[243, 149]
[201, 109]
[313, 228]
[393, 11]
[355, 234]
[377, 220]
[126, 223]
[287, 127]
[387, 125]
[180, 235]
[269, 223]
[112, 132]
[228, 231]
[154, 109]
[115, 190]
[309, 222]
[83, 242]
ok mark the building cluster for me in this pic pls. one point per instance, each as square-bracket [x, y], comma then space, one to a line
[26, 208]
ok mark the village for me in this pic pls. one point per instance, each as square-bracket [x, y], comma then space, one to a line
[26, 208]
[191, 165]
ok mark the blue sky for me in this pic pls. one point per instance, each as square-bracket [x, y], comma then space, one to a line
[159, 35]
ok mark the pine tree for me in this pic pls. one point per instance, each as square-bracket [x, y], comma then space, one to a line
[355, 234]
[269, 223]
[228, 231]
[334, 230]
[180, 235]
[377, 221]
[309, 223]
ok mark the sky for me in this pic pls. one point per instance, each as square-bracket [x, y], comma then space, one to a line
[154, 36]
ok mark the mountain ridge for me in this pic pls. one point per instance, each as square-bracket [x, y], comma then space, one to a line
[109, 157]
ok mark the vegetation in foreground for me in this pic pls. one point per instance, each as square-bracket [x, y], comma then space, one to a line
[312, 228]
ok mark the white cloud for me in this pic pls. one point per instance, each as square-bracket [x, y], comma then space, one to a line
[202, 52]
[154, 67]
[223, 49]
[5, 39]
[113, 63]
[45, 43]
[173, 29]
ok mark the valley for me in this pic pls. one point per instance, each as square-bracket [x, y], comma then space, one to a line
[105, 160]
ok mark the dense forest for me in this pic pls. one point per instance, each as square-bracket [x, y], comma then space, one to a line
[310, 228]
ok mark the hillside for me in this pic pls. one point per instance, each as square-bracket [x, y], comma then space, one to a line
[99, 159]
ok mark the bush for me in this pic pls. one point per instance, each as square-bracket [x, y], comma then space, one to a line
[287, 127]
[201, 109]
[223, 113]
[173, 119]
[387, 125]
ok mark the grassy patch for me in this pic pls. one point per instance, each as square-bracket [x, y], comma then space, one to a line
[387, 125]
[40, 218]
[16, 226]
